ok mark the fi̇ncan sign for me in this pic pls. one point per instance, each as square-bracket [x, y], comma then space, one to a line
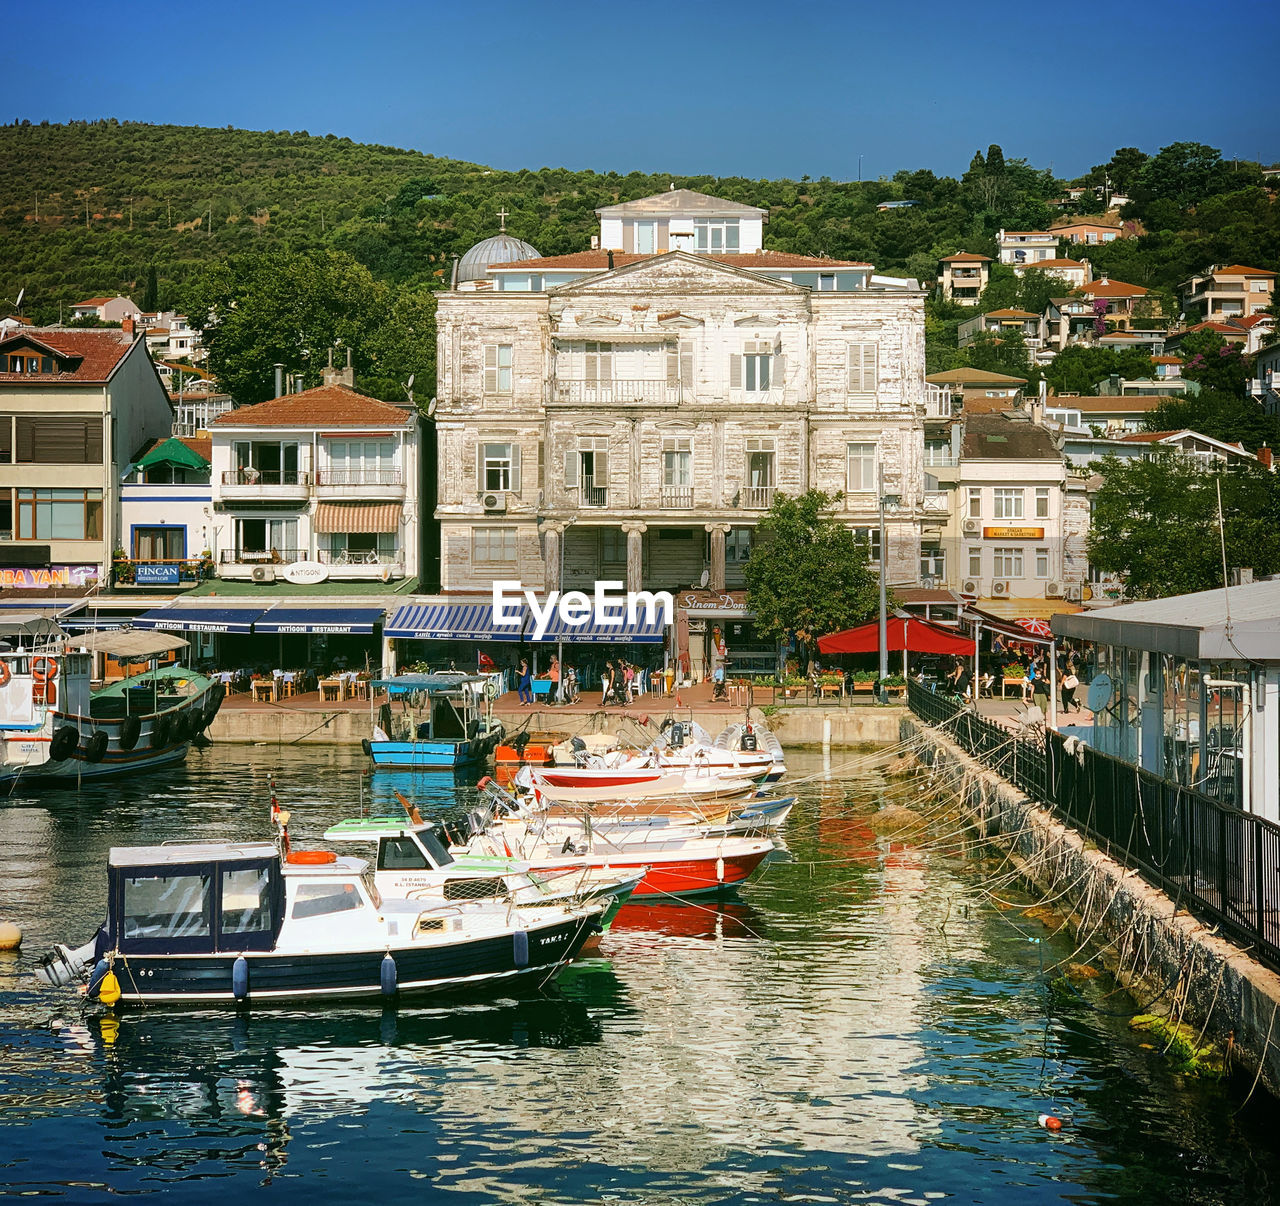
[609, 606]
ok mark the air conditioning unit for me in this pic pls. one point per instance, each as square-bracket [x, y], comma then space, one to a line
[494, 502]
[999, 588]
[1053, 590]
[263, 573]
[1074, 592]
[970, 586]
[971, 525]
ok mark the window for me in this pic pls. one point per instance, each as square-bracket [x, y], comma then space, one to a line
[598, 363]
[826, 282]
[18, 363]
[933, 563]
[937, 452]
[613, 546]
[677, 472]
[1008, 503]
[737, 545]
[1042, 563]
[713, 235]
[860, 468]
[319, 900]
[400, 854]
[975, 502]
[274, 540]
[1042, 502]
[246, 901]
[760, 473]
[159, 544]
[680, 366]
[498, 467]
[493, 545]
[497, 368]
[871, 538]
[864, 370]
[1008, 563]
[645, 240]
[59, 514]
[587, 469]
[757, 369]
[167, 906]
[58, 441]
[358, 548]
[267, 463]
[756, 372]
[361, 463]
[975, 561]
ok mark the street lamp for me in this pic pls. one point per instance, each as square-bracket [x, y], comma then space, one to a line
[889, 501]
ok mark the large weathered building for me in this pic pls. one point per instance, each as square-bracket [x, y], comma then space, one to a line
[629, 412]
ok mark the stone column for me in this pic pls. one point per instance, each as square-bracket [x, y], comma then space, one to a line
[552, 554]
[635, 554]
[718, 532]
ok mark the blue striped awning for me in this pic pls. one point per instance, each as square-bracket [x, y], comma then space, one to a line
[595, 633]
[200, 619]
[450, 622]
[334, 620]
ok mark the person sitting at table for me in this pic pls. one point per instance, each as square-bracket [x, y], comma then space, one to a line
[987, 685]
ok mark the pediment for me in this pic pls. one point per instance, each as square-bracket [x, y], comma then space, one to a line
[679, 272]
[598, 320]
[675, 321]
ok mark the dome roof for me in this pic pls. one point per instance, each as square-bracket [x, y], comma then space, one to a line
[500, 249]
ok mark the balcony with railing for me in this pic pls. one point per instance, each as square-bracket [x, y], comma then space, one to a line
[262, 484]
[936, 502]
[591, 495]
[758, 498]
[367, 483]
[677, 498]
[937, 402]
[251, 557]
[617, 391]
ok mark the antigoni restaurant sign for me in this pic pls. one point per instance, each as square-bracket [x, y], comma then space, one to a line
[54, 576]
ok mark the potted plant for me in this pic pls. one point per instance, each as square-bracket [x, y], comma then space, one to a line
[122, 566]
[792, 685]
[830, 682]
[895, 684]
[1015, 670]
[864, 680]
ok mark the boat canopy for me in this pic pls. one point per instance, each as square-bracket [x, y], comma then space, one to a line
[431, 683]
[124, 643]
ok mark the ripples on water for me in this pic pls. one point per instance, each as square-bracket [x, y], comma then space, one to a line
[857, 1025]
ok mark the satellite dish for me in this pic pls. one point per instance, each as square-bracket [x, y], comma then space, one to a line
[411, 377]
[431, 407]
[1100, 691]
[706, 577]
[21, 294]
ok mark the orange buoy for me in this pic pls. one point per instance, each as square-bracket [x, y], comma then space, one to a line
[311, 858]
[1050, 1123]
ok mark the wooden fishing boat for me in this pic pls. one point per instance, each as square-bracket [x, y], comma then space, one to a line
[226, 923]
[54, 728]
[431, 721]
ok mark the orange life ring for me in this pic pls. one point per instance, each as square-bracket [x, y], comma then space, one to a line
[5, 674]
[44, 680]
[311, 858]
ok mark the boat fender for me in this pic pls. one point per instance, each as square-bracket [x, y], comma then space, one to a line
[240, 978]
[520, 947]
[99, 973]
[109, 990]
[719, 870]
[181, 728]
[367, 746]
[96, 747]
[161, 730]
[387, 975]
[130, 731]
[310, 858]
[5, 674]
[63, 744]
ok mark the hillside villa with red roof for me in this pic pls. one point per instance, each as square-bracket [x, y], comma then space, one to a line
[964, 276]
[1229, 291]
[74, 406]
[326, 477]
[106, 309]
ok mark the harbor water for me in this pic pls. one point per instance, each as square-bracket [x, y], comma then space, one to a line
[860, 1023]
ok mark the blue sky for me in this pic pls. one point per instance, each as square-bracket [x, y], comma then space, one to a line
[754, 89]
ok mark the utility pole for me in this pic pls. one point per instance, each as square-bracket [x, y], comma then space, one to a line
[211, 220]
[859, 169]
[37, 207]
[130, 213]
[170, 205]
[86, 212]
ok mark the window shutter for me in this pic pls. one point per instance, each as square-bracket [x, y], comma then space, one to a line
[735, 372]
[480, 467]
[601, 474]
[515, 468]
[490, 368]
[673, 368]
[686, 367]
[870, 368]
[778, 379]
[855, 369]
[571, 468]
[592, 367]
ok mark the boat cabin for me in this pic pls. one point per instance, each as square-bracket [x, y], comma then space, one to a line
[432, 707]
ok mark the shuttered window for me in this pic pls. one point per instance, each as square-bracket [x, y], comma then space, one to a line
[498, 468]
[58, 441]
[680, 366]
[864, 369]
[497, 368]
[758, 369]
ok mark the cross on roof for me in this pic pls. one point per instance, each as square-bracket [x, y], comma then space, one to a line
[502, 217]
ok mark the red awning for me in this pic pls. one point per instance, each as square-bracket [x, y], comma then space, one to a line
[916, 636]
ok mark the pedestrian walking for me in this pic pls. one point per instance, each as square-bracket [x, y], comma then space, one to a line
[524, 685]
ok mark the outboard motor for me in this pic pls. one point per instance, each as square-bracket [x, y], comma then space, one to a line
[676, 735]
[63, 966]
[579, 748]
[748, 743]
[519, 741]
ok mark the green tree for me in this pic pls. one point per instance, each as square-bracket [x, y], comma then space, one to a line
[1184, 173]
[1221, 416]
[1155, 522]
[289, 308]
[807, 574]
[151, 294]
[1079, 367]
[1003, 353]
[995, 160]
[1209, 359]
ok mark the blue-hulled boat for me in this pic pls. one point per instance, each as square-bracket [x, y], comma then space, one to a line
[432, 722]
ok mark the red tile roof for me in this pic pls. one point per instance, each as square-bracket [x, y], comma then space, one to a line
[1107, 288]
[1166, 359]
[1241, 270]
[324, 406]
[92, 355]
[1146, 437]
[966, 257]
[93, 301]
[202, 446]
[1010, 314]
[1058, 263]
[621, 259]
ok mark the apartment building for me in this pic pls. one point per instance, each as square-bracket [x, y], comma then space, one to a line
[962, 277]
[1229, 291]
